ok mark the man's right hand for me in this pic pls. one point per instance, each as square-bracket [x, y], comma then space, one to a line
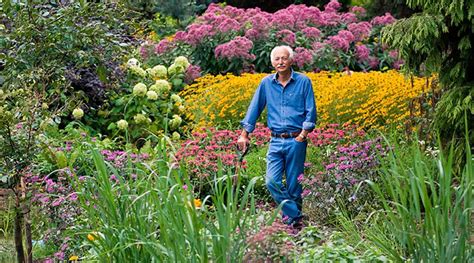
[243, 142]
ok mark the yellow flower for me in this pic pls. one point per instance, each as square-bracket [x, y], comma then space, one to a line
[197, 203]
[371, 100]
[91, 237]
[73, 258]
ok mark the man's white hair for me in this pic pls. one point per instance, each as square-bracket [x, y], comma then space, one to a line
[288, 48]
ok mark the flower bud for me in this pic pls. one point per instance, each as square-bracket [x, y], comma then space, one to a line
[122, 124]
[77, 113]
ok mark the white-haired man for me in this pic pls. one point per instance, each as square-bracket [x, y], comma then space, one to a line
[291, 115]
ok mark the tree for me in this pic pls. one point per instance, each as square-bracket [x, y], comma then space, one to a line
[440, 40]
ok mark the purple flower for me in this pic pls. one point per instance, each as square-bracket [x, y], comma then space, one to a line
[330, 166]
[358, 10]
[192, 72]
[373, 62]
[73, 197]
[305, 193]
[185, 187]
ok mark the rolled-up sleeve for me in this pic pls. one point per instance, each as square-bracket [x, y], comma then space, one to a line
[255, 109]
[310, 107]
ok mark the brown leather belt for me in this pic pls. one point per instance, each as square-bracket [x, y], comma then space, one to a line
[286, 135]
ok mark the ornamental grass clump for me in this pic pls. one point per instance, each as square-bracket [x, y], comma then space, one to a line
[157, 217]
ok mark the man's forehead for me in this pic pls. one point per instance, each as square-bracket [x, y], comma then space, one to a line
[281, 51]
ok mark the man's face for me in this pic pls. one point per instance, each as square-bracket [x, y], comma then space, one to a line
[281, 60]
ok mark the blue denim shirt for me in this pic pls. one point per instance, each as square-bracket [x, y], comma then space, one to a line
[290, 108]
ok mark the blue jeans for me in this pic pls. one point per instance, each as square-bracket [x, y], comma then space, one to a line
[286, 156]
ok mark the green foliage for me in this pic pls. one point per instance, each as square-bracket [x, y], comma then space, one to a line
[148, 103]
[425, 208]
[68, 52]
[439, 40]
[155, 218]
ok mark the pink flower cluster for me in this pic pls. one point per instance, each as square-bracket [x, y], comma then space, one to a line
[239, 47]
[239, 32]
[203, 153]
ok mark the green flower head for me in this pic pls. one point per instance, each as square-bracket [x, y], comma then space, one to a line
[176, 69]
[122, 124]
[152, 95]
[77, 113]
[182, 61]
[158, 72]
[139, 90]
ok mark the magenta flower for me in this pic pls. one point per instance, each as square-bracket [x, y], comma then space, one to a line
[286, 36]
[338, 42]
[311, 32]
[360, 30]
[383, 20]
[303, 57]
[239, 48]
[362, 52]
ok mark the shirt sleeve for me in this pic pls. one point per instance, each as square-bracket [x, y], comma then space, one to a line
[256, 107]
[310, 107]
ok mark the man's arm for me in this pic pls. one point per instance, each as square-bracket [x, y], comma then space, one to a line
[255, 109]
[310, 110]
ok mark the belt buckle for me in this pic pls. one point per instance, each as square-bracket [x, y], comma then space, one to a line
[285, 135]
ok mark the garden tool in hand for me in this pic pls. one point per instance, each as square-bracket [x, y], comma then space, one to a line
[240, 158]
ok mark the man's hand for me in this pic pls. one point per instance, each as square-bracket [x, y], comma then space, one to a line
[243, 142]
[302, 136]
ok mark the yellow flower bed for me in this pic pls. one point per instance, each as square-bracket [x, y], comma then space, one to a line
[370, 100]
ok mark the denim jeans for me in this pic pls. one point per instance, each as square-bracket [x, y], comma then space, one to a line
[286, 156]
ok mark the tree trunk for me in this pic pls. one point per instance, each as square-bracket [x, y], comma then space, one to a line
[27, 222]
[20, 253]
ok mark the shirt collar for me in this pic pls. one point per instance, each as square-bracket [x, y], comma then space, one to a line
[292, 76]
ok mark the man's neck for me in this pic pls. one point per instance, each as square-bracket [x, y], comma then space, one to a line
[284, 76]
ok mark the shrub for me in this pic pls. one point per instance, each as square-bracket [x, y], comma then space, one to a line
[228, 39]
[148, 103]
[211, 150]
[343, 159]
[369, 100]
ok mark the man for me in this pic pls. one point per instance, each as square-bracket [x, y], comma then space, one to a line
[291, 115]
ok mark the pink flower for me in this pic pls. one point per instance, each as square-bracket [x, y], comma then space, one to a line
[338, 42]
[311, 32]
[373, 62]
[393, 54]
[332, 6]
[162, 47]
[303, 57]
[362, 52]
[358, 10]
[197, 33]
[383, 20]
[192, 72]
[286, 36]
[185, 187]
[239, 47]
[360, 30]
[300, 178]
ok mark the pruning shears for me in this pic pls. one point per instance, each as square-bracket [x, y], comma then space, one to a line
[240, 158]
